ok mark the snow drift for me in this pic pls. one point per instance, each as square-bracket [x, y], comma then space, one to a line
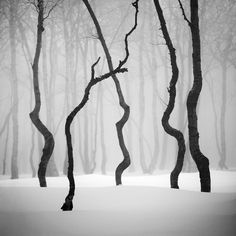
[100, 208]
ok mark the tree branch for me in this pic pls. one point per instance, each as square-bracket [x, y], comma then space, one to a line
[51, 9]
[135, 5]
[92, 68]
[183, 12]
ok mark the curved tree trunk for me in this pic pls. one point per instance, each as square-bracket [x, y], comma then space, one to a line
[120, 124]
[68, 205]
[34, 115]
[172, 94]
[201, 161]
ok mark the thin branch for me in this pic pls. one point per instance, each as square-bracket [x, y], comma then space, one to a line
[51, 9]
[92, 68]
[135, 5]
[33, 3]
[183, 12]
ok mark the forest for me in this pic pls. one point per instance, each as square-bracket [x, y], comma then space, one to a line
[118, 93]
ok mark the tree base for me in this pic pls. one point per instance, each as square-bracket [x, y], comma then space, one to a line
[68, 205]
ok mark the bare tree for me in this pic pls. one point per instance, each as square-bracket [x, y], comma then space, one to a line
[201, 161]
[172, 94]
[94, 80]
[120, 124]
[68, 205]
[34, 115]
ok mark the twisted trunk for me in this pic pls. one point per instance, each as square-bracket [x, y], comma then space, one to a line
[68, 205]
[201, 161]
[120, 124]
[34, 115]
[172, 94]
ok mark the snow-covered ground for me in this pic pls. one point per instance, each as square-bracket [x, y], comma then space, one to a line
[144, 205]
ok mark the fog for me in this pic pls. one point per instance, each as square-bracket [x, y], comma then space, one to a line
[69, 48]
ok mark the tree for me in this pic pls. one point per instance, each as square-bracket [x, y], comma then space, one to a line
[120, 124]
[34, 115]
[68, 204]
[172, 94]
[201, 161]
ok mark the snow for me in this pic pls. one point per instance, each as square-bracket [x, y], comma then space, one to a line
[144, 205]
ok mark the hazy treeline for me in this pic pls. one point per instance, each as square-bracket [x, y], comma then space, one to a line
[70, 46]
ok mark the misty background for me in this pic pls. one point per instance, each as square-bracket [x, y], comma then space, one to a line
[70, 47]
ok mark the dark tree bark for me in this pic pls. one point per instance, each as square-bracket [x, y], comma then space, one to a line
[129, 135]
[120, 124]
[172, 94]
[34, 115]
[68, 205]
[201, 161]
